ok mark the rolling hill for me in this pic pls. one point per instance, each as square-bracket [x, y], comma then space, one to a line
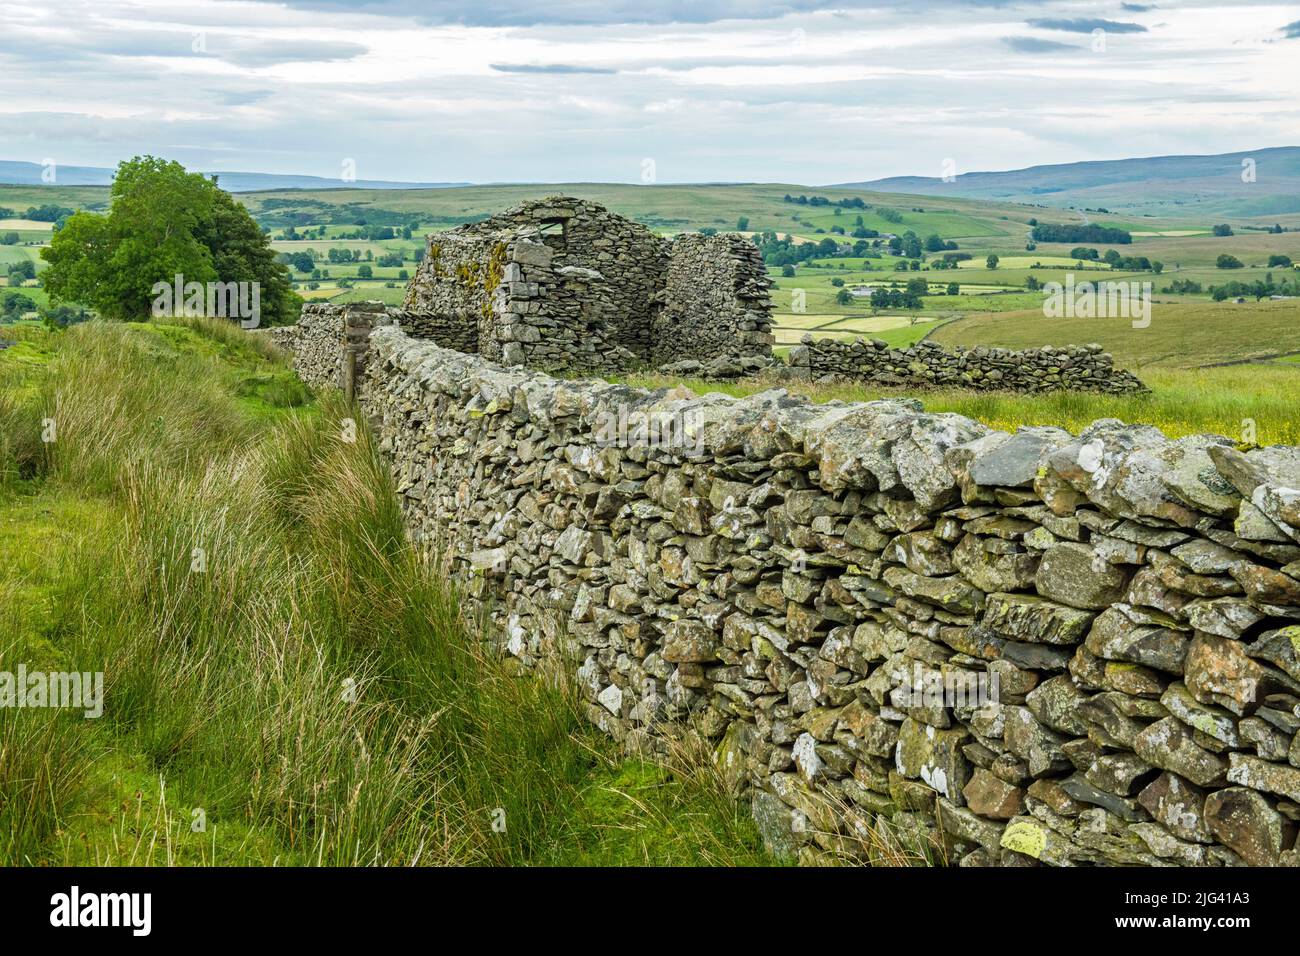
[29, 174]
[1163, 185]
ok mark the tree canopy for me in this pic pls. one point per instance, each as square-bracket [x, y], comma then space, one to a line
[163, 222]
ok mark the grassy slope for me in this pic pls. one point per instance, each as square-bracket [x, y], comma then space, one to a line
[310, 689]
[1235, 401]
[1183, 335]
[20, 198]
[670, 207]
[675, 208]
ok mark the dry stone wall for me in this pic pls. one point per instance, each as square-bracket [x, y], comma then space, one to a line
[458, 278]
[282, 336]
[929, 365]
[549, 315]
[317, 344]
[445, 329]
[611, 266]
[326, 331]
[1029, 648]
[717, 301]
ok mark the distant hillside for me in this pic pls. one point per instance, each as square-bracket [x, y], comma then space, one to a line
[29, 174]
[1169, 185]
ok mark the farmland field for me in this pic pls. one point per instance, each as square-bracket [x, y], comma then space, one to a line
[989, 306]
[896, 329]
[1028, 261]
[28, 225]
[1180, 335]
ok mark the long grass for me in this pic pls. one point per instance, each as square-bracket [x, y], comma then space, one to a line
[285, 680]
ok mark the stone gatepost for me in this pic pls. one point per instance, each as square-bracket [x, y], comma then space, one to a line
[359, 320]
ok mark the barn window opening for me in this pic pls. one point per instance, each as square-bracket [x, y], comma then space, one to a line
[553, 232]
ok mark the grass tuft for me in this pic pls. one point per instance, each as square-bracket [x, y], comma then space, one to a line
[279, 664]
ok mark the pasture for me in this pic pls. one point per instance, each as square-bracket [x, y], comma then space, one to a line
[992, 306]
[1181, 334]
[897, 330]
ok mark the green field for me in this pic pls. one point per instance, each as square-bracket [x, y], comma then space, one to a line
[1181, 335]
[895, 329]
[1029, 260]
[668, 208]
[371, 291]
[19, 198]
[1182, 244]
[9, 254]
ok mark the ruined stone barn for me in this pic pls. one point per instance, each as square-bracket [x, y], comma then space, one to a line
[564, 284]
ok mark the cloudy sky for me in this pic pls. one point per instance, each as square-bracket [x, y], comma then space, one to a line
[738, 90]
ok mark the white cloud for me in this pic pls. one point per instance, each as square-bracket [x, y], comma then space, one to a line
[505, 91]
